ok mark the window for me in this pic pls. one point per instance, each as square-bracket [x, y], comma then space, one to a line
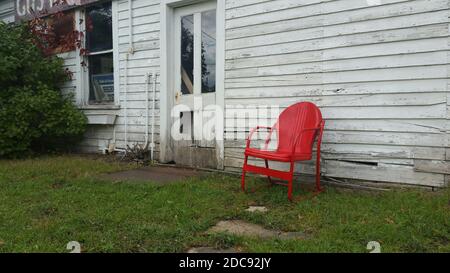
[99, 45]
[187, 54]
[209, 51]
[201, 51]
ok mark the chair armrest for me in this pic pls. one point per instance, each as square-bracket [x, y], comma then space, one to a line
[249, 138]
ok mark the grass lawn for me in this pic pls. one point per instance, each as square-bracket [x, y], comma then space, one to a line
[47, 202]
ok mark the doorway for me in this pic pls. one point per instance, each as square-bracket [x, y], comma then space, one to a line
[195, 86]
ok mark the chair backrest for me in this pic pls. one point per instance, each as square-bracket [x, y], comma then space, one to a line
[290, 124]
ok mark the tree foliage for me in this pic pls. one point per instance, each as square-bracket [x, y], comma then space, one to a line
[34, 115]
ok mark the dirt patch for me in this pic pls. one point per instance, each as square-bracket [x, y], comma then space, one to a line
[155, 174]
[243, 228]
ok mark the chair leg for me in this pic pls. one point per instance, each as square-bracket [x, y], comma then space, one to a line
[267, 166]
[319, 142]
[290, 189]
[243, 173]
[318, 188]
[291, 178]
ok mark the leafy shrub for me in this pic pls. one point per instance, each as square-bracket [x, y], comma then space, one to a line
[34, 115]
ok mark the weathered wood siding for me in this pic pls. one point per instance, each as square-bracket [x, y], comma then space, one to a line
[7, 11]
[379, 73]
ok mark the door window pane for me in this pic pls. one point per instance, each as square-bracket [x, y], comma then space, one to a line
[101, 75]
[99, 27]
[187, 54]
[209, 51]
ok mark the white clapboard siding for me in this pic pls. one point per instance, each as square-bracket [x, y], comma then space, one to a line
[384, 24]
[361, 112]
[70, 63]
[293, 9]
[401, 99]
[350, 64]
[383, 36]
[359, 15]
[7, 11]
[371, 87]
[379, 73]
[394, 125]
[333, 55]
[144, 60]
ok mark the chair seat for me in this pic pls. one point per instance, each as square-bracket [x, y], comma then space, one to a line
[277, 156]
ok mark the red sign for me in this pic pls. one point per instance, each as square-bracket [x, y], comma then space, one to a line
[28, 9]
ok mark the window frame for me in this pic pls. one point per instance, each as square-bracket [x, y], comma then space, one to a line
[83, 80]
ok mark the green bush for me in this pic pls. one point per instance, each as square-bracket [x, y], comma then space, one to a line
[34, 115]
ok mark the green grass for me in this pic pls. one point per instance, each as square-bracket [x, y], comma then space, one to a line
[47, 202]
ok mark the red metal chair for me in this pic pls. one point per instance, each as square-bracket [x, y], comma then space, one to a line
[297, 128]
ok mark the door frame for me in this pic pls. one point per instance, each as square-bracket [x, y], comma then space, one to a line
[167, 8]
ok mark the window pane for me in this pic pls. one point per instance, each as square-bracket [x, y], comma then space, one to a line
[209, 51]
[187, 54]
[101, 75]
[99, 27]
